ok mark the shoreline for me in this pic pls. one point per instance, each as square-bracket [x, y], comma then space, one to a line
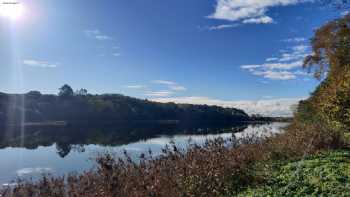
[141, 122]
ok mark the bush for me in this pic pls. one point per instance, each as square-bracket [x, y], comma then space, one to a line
[327, 174]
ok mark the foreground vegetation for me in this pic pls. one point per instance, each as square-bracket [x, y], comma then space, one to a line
[311, 158]
[326, 174]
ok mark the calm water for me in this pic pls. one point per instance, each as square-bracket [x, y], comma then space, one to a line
[61, 151]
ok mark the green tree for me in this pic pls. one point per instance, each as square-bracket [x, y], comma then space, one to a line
[81, 92]
[65, 91]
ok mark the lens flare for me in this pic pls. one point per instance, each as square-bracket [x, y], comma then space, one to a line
[11, 9]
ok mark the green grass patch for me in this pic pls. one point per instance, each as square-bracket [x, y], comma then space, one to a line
[326, 174]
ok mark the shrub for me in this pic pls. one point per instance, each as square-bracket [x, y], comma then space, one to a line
[327, 174]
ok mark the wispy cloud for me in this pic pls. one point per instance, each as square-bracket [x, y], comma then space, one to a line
[268, 107]
[275, 75]
[178, 88]
[259, 20]
[39, 64]
[249, 11]
[159, 93]
[163, 82]
[135, 86]
[271, 59]
[158, 88]
[250, 67]
[97, 34]
[297, 39]
[172, 85]
[225, 26]
[286, 66]
[165, 88]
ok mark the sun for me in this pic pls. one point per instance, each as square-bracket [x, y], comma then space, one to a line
[11, 9]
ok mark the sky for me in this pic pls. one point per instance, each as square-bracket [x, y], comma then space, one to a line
[232, 53]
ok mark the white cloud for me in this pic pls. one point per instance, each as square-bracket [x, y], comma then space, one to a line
[40, 64]
[226, 26]
[159, 93]
[285, 67]
[164, 82]
[248, 11]
[271, 59]
[250, 66]
[297, 52]
[135, 86]
[260, 20]
[277, 65]
[297, 39]
[276, 75]
[272, 107]
[97, 34]
[285, 57]
[177, 88]
[102, 37]
[172, 86]
[300, 48]
[303, 73]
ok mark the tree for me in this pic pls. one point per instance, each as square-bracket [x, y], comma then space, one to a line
[65, 91]
[330, 47]
[330, 62]
[81, 92]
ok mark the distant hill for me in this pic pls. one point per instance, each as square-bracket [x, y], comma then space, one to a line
[83, 108]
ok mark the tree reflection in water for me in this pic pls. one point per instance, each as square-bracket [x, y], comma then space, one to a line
[67, 139]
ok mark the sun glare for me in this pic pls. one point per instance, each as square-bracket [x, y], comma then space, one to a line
[11, 9]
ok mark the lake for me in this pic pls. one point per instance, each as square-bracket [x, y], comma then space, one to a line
[31, 152]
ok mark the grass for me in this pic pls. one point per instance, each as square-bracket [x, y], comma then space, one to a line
[326, 174]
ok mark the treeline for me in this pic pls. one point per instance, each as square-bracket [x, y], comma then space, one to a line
[82, 108]
[329, 104]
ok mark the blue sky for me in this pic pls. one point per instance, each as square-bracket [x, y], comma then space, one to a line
[198, 51]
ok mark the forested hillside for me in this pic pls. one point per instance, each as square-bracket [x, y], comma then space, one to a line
[81, 107]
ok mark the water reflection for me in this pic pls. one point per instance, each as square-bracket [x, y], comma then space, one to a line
[63, 150]
[68, 138]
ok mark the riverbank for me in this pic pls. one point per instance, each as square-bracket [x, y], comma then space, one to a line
[262, 120]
